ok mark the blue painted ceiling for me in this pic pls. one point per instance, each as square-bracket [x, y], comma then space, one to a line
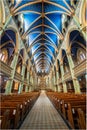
[43, 26]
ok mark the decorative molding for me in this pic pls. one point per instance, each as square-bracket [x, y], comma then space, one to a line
[80, 68]
[5, 69]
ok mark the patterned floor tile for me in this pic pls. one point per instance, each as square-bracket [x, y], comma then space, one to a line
[43, 116]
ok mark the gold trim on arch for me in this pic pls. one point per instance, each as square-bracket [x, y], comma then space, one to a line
[79, 43]
[46, 62]
[47, 49]
[68, 6]
[55, 4]
[61, 12]
[34, 39]
[5, 43]
[53, 24]
[42, 53]
[26, 11]
[46, 58]
[40, 25]
[39, 50]
[10, 37]
[3, 16]
[48, 42]
[26, 33]
[27, 4]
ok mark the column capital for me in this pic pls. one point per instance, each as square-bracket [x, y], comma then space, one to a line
[74, 78]
[23, 63]
[57, 70]
[16, 53]
[61, 62]
[10, 78]
[63, 82]
[73, 13]
[28, 70]
[68, 52]
[1, 28]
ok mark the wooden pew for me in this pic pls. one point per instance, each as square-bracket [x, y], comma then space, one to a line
[14, 115]
[4, 120]
[69, 105]
[18, 105]
[64, 104]
[81, 119]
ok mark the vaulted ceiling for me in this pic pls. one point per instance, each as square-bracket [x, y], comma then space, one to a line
[43, 28]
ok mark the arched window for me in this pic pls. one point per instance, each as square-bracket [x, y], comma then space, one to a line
[3, 55]
[19, 69]
[81, 55]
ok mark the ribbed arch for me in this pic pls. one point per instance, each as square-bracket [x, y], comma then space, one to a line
[44, 54]
[39, 49]
[16, 8]
[46, 42]
[45, 63]
[43, 28]
[40, 59]
[58, 5]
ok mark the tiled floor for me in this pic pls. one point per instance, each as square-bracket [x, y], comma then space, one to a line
[43, 116]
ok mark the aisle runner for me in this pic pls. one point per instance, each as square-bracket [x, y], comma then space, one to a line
[43, 116]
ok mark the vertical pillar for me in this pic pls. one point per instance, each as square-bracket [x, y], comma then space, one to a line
[76, 19]
[27, 86]
[5, 25]
[30, 87]
[51, 80]
[35, 81]
[75, 80]
[59, 88]
[10, 81]
[48, 82]
[62, 73]
[57, 77]
[13, 66]
[22, 83]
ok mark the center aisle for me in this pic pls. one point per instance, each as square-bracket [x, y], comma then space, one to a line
[44, 116]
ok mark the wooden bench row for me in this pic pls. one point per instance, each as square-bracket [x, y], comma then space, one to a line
[72, 107]
[14, 109]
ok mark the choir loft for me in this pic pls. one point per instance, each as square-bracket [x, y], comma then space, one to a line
[43, 64]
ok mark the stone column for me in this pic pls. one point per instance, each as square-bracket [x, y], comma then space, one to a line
[59, 90]
[27, 86]
[57, 76]
[30, 87]
[23, 74]
[62, 74]
[9, 83]
[75, 80]
[51, 80]
[76, 19]
[48, 82]
[58, 86]
[3, 27]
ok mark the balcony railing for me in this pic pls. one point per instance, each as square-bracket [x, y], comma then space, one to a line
[18, 76]
[67, 76]
[5, 69]
[25, 81]
[80, 68]
[59, 81]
